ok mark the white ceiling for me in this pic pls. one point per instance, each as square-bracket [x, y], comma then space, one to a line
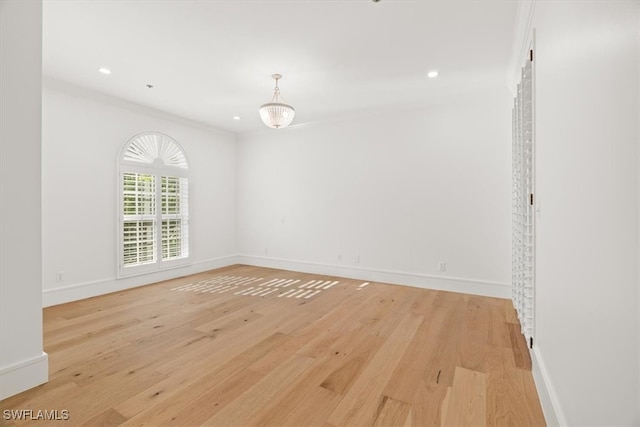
[211, 60]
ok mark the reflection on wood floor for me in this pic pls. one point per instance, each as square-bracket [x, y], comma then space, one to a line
[223, 348]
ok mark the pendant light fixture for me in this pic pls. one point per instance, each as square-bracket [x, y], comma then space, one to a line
[276, 114]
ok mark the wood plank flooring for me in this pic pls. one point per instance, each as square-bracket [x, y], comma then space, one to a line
[249, 346]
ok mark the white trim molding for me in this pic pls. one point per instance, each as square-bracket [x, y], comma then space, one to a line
[79, 291]
[418, 280]
[70, 88]
[24, 375]
[553, 414]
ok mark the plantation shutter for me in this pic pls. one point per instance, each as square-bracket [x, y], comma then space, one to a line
[523, 212]
[154, 205]
[138, 218]
[175, 226]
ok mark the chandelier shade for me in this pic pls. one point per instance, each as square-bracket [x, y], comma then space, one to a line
[276, 114]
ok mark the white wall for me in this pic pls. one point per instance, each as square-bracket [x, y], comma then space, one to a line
[403, 191]
[587, 237]
[83, 134]
[23, 364]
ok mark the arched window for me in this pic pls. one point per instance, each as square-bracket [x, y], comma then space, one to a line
[153, 200]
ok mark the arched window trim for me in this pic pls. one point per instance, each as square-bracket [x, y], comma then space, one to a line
[160, 229]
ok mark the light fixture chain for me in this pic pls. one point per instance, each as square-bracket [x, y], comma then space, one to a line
[276, 92]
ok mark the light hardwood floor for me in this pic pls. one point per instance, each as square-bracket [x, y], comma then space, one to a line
[218, 349]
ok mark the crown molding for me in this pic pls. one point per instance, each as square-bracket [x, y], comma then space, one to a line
[76, 90]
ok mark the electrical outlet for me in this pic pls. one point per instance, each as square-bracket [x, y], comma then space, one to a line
[357, 259]
[266, 251]
[60, 276]
[442, 266]
[339, 257]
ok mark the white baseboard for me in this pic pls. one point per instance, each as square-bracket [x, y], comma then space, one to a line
[79, 291]
[24, 375]
[553, 414]
[444, 283]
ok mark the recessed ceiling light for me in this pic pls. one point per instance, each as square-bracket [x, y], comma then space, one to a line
[236, 117]
[104, 70]
[432, 74]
